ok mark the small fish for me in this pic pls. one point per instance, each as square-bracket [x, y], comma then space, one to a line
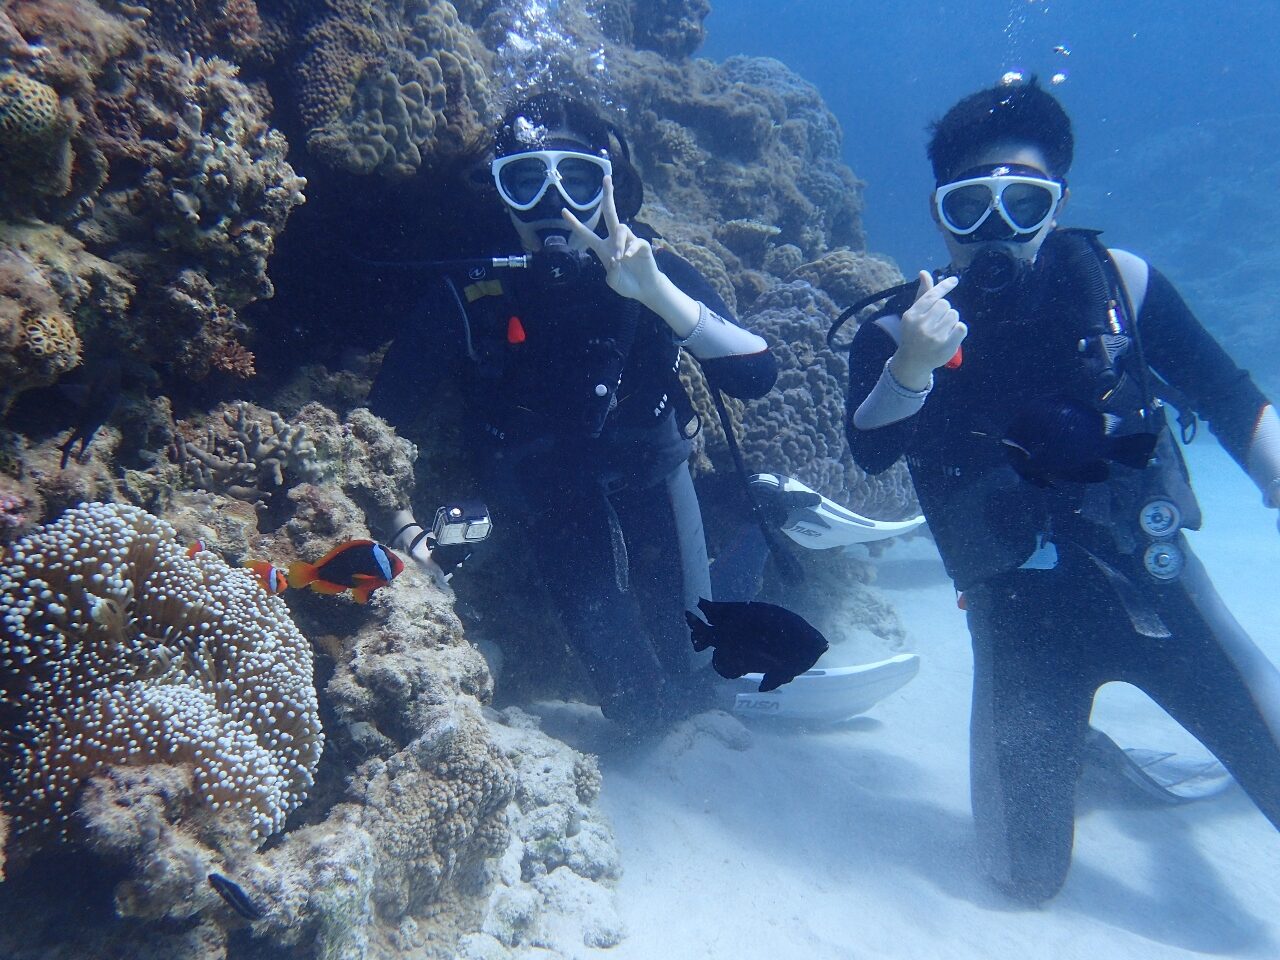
[756, 638]
[1062, 439]
[236, 898]
[273, 579]
[361, 566]
[1062, 50]
[196, 547]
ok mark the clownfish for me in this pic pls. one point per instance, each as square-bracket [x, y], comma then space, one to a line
[196, 547]
[361, 566]
[273, 579]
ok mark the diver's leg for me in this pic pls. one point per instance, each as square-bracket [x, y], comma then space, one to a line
[1212, 679]
[1031, 703]
[573, 541]
[669, 569]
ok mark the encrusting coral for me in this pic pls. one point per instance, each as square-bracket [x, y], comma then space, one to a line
[118, 648]
[38, 342]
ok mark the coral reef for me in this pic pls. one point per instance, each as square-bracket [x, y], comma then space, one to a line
[52, 290]
[672, 27]
[555, 880]
[743, 140]
[35, 140]
[196, 228]
[119, 649]
[363, 455]
[252, 455]
[847, 275]
[390, 86]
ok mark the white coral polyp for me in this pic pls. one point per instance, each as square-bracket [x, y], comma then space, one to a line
[117, 648]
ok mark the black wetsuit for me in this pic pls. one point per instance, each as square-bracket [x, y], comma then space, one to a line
[1044, 640]
[573, 394]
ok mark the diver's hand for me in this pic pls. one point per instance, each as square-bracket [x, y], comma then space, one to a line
[631, 269]
[419, 554]
[931, 334]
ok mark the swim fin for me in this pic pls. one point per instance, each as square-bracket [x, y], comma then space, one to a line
[1160, 775]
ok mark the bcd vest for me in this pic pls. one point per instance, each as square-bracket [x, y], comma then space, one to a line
[1067, 334]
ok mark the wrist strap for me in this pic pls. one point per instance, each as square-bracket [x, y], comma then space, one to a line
[418, 539]
[399, 533]
[901, 389]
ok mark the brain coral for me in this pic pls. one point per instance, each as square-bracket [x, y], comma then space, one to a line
[117, 648]
[386, 87]
[847, 275]
[35, 139]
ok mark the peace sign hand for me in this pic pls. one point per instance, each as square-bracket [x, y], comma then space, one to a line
[630, 268]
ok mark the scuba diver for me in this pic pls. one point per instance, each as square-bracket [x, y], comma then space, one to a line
[568, 354]
[1027, 391]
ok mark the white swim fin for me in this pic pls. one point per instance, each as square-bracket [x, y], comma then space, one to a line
[818, 523]
[825, 694]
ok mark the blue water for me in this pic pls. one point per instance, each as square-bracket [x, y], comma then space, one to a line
[1174, 105]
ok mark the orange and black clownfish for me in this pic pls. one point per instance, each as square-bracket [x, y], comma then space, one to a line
[273, 579]
[361, 566]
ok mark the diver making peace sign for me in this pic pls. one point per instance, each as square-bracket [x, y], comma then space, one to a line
[568, 375]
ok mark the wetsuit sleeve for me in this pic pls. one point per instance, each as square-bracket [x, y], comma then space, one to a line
[1183, 352]
[412, 366]
[738, 362]
[877, 449]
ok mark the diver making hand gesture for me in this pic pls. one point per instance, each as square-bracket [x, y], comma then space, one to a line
[632, 270]
[1053, 484]
[566, 356]
[931, 334]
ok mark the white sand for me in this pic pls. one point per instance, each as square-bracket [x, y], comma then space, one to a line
[857, 842]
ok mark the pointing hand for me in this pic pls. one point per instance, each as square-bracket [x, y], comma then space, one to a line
[931, 333]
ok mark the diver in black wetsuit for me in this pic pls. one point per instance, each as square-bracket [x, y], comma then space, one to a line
[569, 377]
[1073, 574]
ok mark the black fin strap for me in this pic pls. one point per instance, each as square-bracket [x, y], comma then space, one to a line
[788, 566]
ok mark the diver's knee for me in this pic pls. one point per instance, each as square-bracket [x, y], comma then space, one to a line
[1030, 891]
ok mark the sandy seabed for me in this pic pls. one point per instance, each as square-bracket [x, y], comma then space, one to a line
[856, 842]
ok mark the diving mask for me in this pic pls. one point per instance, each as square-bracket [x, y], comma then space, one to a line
[523, 179]
[1021, 197]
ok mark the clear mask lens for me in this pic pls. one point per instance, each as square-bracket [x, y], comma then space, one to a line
[1023, 203]
[524, 178]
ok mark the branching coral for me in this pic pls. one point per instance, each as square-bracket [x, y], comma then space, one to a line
[255, 456]
[195, 223]
[117, 648]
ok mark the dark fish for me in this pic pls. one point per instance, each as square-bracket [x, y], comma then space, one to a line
[361, 566]
[1062, 439]
[756, 638]
[236, 898]
[95, 400]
